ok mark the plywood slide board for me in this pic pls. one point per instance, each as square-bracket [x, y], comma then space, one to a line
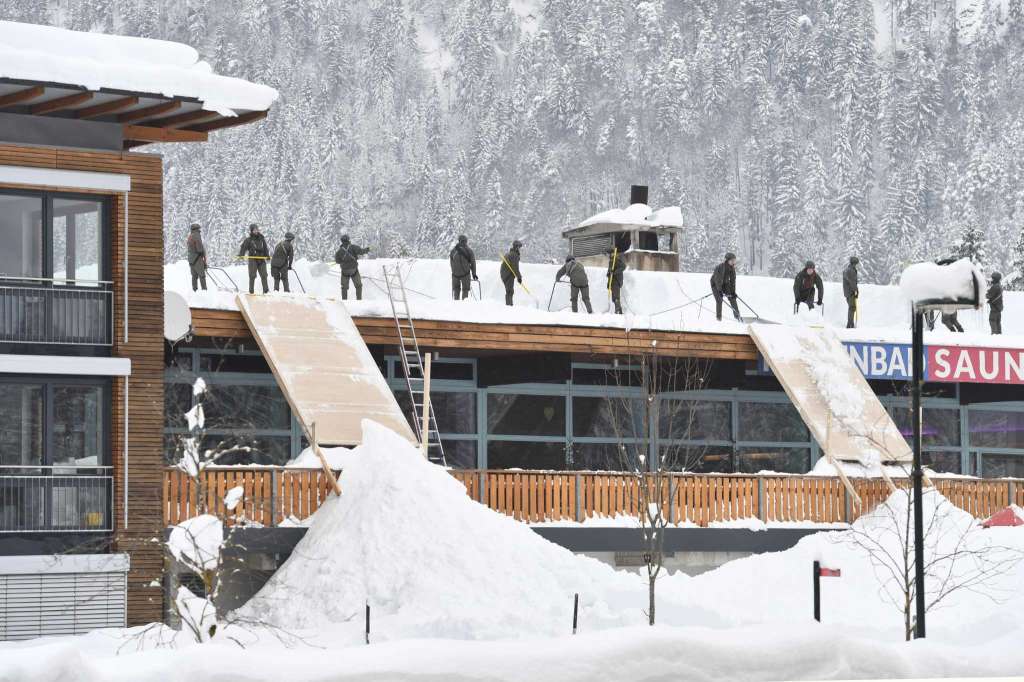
[323, 366]
[831, 394]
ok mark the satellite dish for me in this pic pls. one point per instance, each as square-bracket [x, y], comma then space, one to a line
[177, 317]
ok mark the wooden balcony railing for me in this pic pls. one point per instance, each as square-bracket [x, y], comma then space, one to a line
[273, 496]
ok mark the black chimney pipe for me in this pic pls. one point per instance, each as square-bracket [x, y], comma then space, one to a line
[637, 194]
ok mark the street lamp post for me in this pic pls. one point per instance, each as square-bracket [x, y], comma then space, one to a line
[917, 474]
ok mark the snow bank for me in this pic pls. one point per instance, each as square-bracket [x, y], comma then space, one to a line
[95, 60]
[638, 214]
[959, 280]
[652, 300]
[196, 542]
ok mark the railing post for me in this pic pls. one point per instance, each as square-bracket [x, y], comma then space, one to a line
[1011, 493]
[760, 498]
[273, 497]
[481, 495]
[579, 506]
[847, 511]
[671, 498]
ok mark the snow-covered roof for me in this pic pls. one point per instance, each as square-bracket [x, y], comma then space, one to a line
[48, 54]
[640, 215]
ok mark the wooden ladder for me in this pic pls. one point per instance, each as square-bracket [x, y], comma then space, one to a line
[412, 362]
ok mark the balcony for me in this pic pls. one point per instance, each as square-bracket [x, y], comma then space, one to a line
[61, 499]
[56, 311]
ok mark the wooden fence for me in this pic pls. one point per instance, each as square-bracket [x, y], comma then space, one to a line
[272, 495]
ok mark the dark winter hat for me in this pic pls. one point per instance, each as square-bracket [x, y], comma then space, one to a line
[463, 239]
[195, 227]
[253, 227]
[344, 238]
[997, 276]
[516, 244]
[808, 264]
[854, 260]
[570, 258]
[289, 236]
[730, 255]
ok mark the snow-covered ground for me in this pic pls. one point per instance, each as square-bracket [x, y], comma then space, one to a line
[651, 300]
[462, 593]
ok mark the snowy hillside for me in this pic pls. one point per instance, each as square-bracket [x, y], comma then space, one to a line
[785, 130]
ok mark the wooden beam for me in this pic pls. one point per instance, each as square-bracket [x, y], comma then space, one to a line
[107, 107]
[229, 122]
[61, 103]
[149, 112]
[147, 134]
[183, 119]
[20, 96]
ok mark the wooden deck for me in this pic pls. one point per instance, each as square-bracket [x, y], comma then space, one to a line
[447, 335]
[276, 495]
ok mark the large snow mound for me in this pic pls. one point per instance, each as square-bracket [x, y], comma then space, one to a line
[405, 538]
[95, 60]
[956, 281]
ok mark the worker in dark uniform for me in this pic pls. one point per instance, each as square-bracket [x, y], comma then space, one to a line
[851, 291]
[995, 303]
[951, 323]
[509, 271]
[281, 262]
[804, 284]
[723, 285]
[578, 283]
[254, 250]
[616, 266]
[463, 263]
[197, 257]
[347, 256]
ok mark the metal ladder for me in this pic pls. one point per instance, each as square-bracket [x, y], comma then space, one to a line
[412, 362]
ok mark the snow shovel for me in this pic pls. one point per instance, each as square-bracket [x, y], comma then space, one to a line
[756, 317]
[552, 296]
[298, 279]
[479, 290]
[611, 270]
[217, 282]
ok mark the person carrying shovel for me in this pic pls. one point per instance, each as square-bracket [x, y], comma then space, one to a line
[509, 271]
[254, 249]
[616, 266]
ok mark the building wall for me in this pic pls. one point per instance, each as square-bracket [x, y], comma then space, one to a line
[140, 473]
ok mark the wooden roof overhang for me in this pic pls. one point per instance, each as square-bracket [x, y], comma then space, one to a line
[487, 337]
[144, 118]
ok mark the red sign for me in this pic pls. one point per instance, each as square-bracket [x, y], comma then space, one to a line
[975, 365]
[829, 572]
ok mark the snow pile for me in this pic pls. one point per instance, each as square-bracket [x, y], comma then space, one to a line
[637, 214]
[196, 542]
[958, 281]
[94, 60]
[431, 562]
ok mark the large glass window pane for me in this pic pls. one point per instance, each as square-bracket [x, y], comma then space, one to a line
[996, 429]
[460, 454]
[21, 424]
[1002, 466]
[619, 418]
[233, 449]
[177, 401]
[78, 240]
[233, 362]
[695, 420]
[943, 462]
[454, 412]
[21, 233]
[525, 415]
[771, 422]
[522, 455]
[939, 427]
[711, 459]
[78, 425]
[599, 457]
[785, 460]
[246, 407]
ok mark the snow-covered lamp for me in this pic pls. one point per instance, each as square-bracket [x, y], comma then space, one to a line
[947, 286]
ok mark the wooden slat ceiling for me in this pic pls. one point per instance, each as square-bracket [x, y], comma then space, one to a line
[145, 118]
[488, 337]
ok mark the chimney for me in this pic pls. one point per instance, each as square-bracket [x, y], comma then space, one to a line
[637, 194]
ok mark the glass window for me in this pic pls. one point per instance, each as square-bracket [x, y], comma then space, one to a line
[785, 460]
[939, 426]
[21, 423]
[235, 449]
[21, 233]
[612, 376]
[177, 401]
[943, 462]
[996, 429]
[696, 420]
[525, 415]
[619, 418]
[452, 371]
[712, 459]
[78, 425]
[233, 362]
[1002, 466]
[460, 454]
[77, 240]
[598, 457]
[771, 422]
[525, 455]
[246, 407]
[454, 412]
